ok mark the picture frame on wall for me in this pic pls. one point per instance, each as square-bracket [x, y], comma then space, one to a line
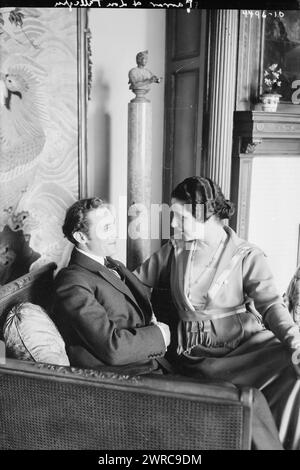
[265, 38]
[281, 46]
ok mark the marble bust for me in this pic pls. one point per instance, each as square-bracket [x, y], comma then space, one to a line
[140, 78]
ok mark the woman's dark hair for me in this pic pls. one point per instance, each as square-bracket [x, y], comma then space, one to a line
[76, 217]
[197, 190]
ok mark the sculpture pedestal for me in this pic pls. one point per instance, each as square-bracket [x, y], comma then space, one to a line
[140, 95]
[139, 182]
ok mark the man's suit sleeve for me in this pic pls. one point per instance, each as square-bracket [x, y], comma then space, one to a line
[110, 344]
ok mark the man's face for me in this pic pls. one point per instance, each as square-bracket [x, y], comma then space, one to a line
[101, 239]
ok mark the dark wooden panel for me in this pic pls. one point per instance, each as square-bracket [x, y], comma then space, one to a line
[185, 95]
[187, 34]
[185, 124]
[249, 62]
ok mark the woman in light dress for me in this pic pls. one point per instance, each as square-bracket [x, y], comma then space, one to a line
[231, 323]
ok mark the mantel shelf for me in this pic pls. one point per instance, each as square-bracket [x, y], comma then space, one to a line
[258, 125]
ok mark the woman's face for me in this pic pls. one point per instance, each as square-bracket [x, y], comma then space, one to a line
[186, 226]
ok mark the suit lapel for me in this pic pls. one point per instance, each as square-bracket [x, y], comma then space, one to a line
[97, 268]
[140, 292]
[116, 282]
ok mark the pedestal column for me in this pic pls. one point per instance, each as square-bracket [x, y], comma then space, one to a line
[224, 38]
[139, 182]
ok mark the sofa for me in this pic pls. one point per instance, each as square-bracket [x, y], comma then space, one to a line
[53, 407]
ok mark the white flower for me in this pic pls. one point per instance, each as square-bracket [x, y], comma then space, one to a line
[271, 76]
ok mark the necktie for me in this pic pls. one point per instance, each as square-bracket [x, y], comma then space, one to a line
[113, 268]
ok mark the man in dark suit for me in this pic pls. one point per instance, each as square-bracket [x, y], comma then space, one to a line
[101, 309]
[104, 313]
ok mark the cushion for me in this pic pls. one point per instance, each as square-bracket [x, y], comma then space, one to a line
[30, 334]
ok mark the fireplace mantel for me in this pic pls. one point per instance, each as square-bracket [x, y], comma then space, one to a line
[264, 133]
[265, 188]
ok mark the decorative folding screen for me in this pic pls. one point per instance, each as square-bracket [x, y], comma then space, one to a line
[41, 133]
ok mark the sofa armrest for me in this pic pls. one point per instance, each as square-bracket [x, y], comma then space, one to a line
[35, 286]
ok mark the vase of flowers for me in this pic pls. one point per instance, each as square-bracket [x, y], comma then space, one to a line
[272, 82]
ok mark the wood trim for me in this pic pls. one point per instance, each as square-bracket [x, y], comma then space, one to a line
[245, 178]
[84, 85]
[174, 386]
[247, 399]
[23, 282]
[173, 68]
[168, 117]
[195, 73]
[194, 53]
[259, 125]
[35, 287]
[298, 250]
[249, 62]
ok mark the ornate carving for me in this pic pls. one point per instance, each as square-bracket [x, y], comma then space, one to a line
[249, 145]
[260, 126]
[13, 286]
[243, 61]
[88, 36]
[84, 83]
[87, 373]
[276, 127]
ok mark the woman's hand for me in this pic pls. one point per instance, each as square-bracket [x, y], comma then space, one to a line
[296, 362]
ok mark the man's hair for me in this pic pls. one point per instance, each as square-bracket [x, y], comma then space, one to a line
[76, 217]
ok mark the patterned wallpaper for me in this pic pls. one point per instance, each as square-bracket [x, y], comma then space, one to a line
[38, 135]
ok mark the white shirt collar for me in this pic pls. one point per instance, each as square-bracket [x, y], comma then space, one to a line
[99, 259]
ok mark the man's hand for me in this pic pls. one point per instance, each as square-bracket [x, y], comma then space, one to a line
[165, 332]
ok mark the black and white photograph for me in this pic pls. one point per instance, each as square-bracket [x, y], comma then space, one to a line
[149, 229]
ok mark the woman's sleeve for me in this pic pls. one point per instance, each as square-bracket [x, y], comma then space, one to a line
[259, 285]
[293, 296]
[153, 271]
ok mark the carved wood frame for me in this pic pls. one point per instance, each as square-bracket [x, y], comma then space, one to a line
[84, 71]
